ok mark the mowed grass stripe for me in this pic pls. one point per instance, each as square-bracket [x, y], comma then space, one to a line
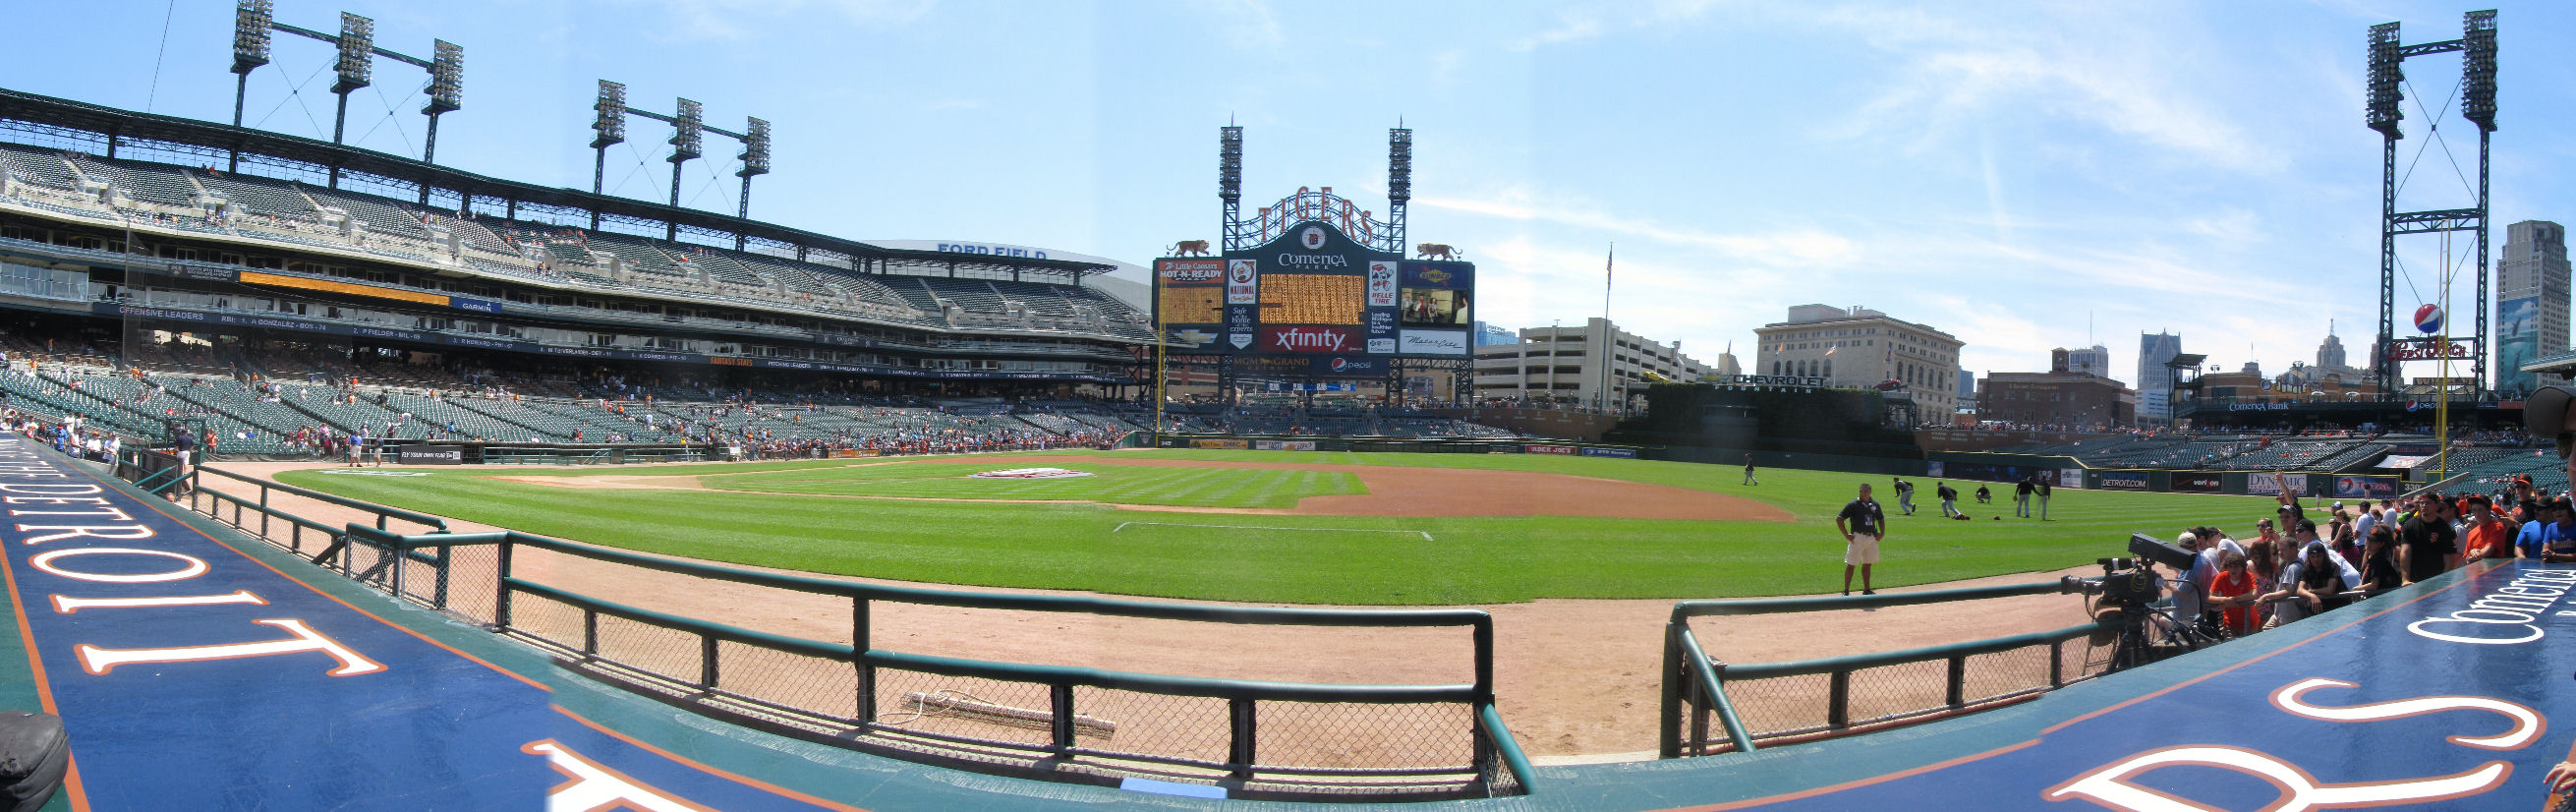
[1470, 561]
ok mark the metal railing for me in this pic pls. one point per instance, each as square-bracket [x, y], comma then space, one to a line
[403, 575]
[1861, 692]
[1279, 739]
[1311, 741]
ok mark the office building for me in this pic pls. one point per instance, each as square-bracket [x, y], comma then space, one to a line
[1857, 347]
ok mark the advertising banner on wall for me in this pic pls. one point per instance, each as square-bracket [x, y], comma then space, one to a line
[430, 454]
[2517, 342]
[2365, 487]
[2269, 485]
[2125, 481]
[2070, 477]
[2196, 482]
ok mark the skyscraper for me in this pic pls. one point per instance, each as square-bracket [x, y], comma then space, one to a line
[2093, 360]
[2155, 383]
[2531, 301]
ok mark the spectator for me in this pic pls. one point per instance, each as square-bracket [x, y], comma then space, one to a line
[2486, 535]
[2233, 594]
[2379, 562]
[2431, 546]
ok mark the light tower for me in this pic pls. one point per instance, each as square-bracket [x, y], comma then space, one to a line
[2386, 94]
[1399, 180]
[253, 20]
[688, 143]
[1229, 187]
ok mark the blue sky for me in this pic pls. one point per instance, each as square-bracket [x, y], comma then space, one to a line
[2022, 176]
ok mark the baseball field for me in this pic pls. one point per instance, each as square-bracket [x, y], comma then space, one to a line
[1289, 527]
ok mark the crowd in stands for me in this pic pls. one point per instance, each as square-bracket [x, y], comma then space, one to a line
[2290, 566]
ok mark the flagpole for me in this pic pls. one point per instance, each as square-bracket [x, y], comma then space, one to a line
[1609, 338]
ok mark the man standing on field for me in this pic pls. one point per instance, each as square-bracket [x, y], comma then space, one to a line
[1748, 470]
[1862, 524]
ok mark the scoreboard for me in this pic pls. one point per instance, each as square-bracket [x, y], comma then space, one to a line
[1315, 292]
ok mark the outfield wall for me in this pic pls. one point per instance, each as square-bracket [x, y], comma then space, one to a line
[2068, 471]
[1409, 445]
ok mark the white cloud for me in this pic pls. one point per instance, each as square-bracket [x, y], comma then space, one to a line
[1802, 246]
[1955, 72]
[749, 19]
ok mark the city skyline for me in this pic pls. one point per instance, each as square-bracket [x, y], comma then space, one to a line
[2010, 174]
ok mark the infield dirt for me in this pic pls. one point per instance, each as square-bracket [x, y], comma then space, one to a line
[1576, 680]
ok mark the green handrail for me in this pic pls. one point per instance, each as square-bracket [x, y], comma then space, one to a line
[1764, 606]
[343, 501]
[1705, 669]
[1855, 662]
[1255, 615]
[1172, 685]
[1509, 749]
[720, 631]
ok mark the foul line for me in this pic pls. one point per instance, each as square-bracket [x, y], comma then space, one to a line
[1426, 535]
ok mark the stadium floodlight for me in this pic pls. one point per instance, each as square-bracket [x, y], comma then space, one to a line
[2478, 70]
[1399, 164]
[357, 53]
[755, 161]
[611, 123]
[2387, 72]
[446, 79]
[1229, 164]
[688, 132]
[251, 19]
[755, 150]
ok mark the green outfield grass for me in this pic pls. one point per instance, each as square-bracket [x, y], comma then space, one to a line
[1286, 559]
[1115, 484]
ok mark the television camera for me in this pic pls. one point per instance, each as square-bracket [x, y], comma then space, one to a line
[2125, 596]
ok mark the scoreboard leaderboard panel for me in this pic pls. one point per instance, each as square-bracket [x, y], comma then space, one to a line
[1188, 301]
[1318, 301]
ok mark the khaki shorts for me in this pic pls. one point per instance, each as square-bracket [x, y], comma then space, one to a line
[1862, 549]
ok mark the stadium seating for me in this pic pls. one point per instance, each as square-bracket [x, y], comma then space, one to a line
[380, 217]
[261, 196]
[40, 166]
[143, 182]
